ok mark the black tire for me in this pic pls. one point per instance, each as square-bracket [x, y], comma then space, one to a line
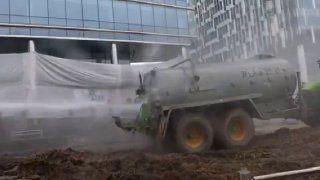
[193, 134]
[234, 129]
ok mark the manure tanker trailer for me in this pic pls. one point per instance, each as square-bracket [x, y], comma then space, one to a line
[194, 107]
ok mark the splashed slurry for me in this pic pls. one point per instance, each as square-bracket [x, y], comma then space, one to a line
[281, 151]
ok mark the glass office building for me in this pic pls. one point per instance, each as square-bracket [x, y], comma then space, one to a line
[139, 28]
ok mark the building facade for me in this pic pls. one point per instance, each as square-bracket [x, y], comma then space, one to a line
[86, 29]
[231, 30]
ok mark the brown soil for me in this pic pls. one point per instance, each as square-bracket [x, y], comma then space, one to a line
[281, 151]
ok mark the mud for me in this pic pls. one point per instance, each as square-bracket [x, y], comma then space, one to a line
[281, 151]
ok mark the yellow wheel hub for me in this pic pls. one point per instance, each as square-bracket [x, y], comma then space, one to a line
[237, 129]
[194, 137]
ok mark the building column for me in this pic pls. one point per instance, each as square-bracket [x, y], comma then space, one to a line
[302, 64]
[184, 52]
[31, 46]
[114, 54]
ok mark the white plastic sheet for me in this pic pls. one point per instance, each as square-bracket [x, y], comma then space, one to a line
[33, 85]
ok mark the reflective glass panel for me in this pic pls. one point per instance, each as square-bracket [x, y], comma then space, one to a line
[121, 26]
[135, 27]
[105, 10]
[91, 24]
[4, 8]
[74, 23]
[4, 18]
[19, 19]
[19, 7]
[147, 15]
[57, 32]
[120, 11]
[90, 9]
[39, 8]
[159, 16]
[134, 13]
[171, 17]
[74, 9]
[20, 31]
[148, 28]
[39, 32]
[106, 25]
[39, 20]
[182, 19]
[57, 8]
[57, 22]
[4, 30]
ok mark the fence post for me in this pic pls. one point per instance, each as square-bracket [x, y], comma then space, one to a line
[244, 174]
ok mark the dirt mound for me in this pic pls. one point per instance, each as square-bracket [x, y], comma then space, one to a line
[281, 151]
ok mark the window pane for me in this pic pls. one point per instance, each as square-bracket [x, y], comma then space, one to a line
[74, 9]
[4, 8]
[91, 34]
[147, 15]
[57, 32]
[105, 10]
[159, 1]
[148, 38]
[19, 7]
[181, 3]
[74, 23]
[137, 37]
[38, 20]
[20, 31]
[120, 26]
[148, 28]
[173, 31]
[120, 12]
[122, 36]
[91, 24]
[170, 1]
[135, 27]
[57, 22]
[39, 32]
[90, 9]
[106, 25]
[39, 8]
[4, 30]
[182, 19]
[159, 16]
[161, 30]
[134, 13]
[106, 35]
[4, 18]
[57, 8]
[171, 16]
[19, 19]
[74, 33]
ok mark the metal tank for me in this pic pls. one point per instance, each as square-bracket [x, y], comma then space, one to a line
[196, 106]
[271, 79]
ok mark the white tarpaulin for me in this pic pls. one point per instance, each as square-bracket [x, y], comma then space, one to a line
[33, 85]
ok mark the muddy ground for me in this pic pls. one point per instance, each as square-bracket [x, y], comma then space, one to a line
[282, 150]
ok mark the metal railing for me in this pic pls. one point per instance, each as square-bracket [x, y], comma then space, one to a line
[244, 174]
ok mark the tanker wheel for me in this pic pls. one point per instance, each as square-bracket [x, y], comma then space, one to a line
[236, 129]
[194, 134]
